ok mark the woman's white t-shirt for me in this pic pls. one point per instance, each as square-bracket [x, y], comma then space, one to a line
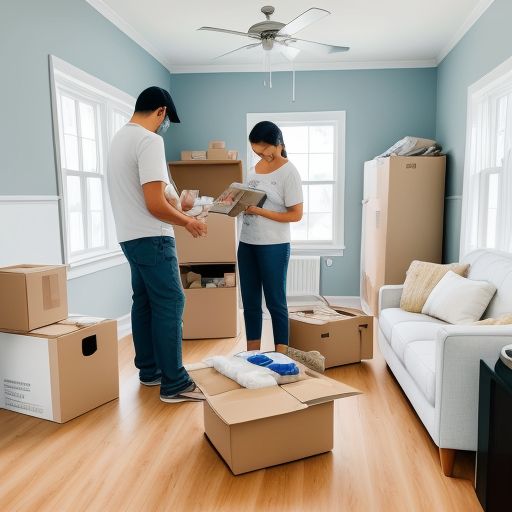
[284, 189]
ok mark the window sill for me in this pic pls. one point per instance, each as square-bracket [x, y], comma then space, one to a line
[96, 263]
[317, 251]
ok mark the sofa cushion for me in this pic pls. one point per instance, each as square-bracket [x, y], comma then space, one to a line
[389, 317]
[496, 268]
[406, 333]
[420, 362]
[420, 279]
[458, 300]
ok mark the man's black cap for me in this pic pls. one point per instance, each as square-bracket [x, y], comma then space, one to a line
[155, 97]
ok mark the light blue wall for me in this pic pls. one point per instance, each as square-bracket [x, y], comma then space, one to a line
[382, 106]
[486, 45]
[75, 32]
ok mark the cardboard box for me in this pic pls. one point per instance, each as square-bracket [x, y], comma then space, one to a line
[343, 340]
[218, 246]
[210, 312]
[193, 155]
[216, 144]
[209, 177]
[32, 296]
[59, 371]
[402, 220]
[258, 428]
[217, 154]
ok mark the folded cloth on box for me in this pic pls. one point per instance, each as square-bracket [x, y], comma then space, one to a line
[249, 375]
[318, 315]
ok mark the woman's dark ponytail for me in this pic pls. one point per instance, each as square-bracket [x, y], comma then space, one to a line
[268, 133]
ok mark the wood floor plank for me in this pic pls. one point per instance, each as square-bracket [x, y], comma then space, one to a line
[139, 454]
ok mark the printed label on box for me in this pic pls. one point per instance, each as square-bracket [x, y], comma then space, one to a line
[25, 375]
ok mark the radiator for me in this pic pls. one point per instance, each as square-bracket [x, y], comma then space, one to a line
[303, 276]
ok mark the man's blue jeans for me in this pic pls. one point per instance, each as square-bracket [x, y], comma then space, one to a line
[157, 311]
[264, 267]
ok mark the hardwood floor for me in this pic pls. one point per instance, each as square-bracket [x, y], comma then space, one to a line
[139, 454]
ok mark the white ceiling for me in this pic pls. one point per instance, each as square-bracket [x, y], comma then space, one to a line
[380, 33]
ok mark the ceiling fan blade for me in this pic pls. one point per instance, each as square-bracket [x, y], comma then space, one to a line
[311, 46]
[303, 20]
[246, 47]
[225, 31]
[288, 51]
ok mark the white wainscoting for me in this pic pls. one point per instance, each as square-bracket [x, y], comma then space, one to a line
[29, 230]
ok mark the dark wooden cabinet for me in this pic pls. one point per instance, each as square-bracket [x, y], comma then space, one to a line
[494, 457]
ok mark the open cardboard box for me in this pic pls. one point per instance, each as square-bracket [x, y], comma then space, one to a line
[32, 296]
[341, 340]
[258, 428]
[59, 371]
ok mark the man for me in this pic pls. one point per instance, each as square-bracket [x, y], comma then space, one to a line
[137, 177]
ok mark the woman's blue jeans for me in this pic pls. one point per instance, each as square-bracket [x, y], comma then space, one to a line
[157, 310]
[264, 267]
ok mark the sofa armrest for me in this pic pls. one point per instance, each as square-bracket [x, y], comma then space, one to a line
[458, 353]
[389, 296]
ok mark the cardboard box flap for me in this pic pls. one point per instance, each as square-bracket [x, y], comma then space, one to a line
[28, 269]
[243, 405]
[211, 382]
[318, 390]
[54, 330]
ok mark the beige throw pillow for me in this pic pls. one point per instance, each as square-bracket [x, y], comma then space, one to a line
[420, 280]
[501, 320]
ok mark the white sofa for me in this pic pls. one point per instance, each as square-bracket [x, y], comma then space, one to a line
[437, 364]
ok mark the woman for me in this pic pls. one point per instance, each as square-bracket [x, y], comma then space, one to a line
[264, 249]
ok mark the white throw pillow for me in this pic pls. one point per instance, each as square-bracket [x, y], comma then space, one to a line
[458, 300]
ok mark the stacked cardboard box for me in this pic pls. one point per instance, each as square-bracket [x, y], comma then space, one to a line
[209, 312]
[51, 366]
[216, 151]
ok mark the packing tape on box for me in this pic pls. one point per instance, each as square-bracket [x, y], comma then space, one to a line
[51, 296]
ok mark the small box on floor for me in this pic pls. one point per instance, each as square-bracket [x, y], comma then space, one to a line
[32, 296]
[59, 371]
[258, 428]
[342, 335]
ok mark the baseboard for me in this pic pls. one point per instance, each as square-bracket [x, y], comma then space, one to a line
[124, 326]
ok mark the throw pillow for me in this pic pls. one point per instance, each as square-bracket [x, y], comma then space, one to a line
[501, 320]
[458, 300]
[420, 280]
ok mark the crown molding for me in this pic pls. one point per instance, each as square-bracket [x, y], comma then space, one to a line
[128, 30]
[132, 33]
[319, 66]
[473, 17]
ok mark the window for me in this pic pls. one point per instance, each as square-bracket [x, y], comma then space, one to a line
[87, 113]
[315, 143]
[487, 196]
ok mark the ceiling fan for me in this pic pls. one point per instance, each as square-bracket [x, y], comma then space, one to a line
[275, 35]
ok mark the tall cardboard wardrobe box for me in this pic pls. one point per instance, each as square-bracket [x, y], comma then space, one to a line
[32, 296]
[209, 312]
[59, 371]
[403, 205]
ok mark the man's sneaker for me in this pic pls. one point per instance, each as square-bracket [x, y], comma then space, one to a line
[190, 394]
[154, 382]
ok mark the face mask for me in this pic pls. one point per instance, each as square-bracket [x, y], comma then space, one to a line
[164, 126]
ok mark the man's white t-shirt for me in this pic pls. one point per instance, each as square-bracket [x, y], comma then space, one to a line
[137, 156]
[284, 189]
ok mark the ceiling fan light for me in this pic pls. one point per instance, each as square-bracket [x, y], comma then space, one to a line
[267, 44]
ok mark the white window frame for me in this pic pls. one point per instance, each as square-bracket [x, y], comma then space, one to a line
[337, 119]
[69, 80]
[482, 94]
